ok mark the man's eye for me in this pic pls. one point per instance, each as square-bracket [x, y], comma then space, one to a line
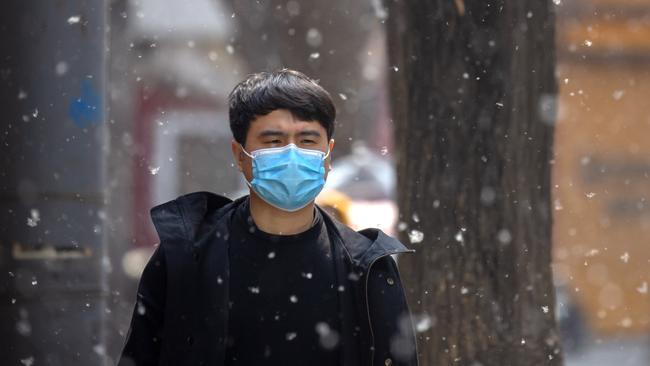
[308, 141]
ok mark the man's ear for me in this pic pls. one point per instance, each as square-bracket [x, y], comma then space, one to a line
[237, 154]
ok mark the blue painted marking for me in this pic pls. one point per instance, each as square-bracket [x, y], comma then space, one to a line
[85, 110]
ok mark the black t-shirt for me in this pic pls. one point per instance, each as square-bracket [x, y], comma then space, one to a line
[283, 296]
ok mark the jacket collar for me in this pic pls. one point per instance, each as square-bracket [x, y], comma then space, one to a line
[365, 246]
[183, 218]
[191, 216]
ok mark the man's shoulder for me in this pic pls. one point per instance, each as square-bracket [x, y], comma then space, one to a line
[187, 216]
[364, 246]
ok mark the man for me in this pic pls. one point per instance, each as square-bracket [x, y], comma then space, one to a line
[270, 279]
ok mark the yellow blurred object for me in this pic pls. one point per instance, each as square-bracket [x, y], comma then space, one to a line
[601, 218]
[336, 204]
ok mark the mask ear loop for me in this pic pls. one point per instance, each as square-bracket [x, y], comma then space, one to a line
[252, 157]
[329, 168]
[246, 152]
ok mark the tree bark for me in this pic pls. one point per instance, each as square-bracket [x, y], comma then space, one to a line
[473, 95]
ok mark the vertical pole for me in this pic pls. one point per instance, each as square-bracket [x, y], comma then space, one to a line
[52, 173]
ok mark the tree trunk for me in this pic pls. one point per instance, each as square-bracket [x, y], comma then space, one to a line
[474, 102]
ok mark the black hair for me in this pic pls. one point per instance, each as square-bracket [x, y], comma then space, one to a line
[262, 93]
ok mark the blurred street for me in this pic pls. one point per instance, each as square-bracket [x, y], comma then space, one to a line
[628, 352]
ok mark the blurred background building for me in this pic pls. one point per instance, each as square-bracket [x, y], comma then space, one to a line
[602, 178]
[112, 107]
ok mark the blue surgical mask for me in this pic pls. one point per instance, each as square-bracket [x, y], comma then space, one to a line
[287, 177]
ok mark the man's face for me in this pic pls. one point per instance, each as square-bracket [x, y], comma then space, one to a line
[280, 128]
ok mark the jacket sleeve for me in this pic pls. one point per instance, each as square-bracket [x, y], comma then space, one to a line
[142, 346]
[395, 342]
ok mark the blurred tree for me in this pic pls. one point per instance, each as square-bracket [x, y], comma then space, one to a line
[474, 100]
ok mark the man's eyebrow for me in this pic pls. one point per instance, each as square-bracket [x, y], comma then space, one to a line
[271, 133]
[313, 133]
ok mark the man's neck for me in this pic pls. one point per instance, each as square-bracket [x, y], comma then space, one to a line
[272, 220]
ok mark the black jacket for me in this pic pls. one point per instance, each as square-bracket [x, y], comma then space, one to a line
[183, 319]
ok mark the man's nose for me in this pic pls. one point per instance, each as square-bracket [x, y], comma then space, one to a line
[292, 140]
